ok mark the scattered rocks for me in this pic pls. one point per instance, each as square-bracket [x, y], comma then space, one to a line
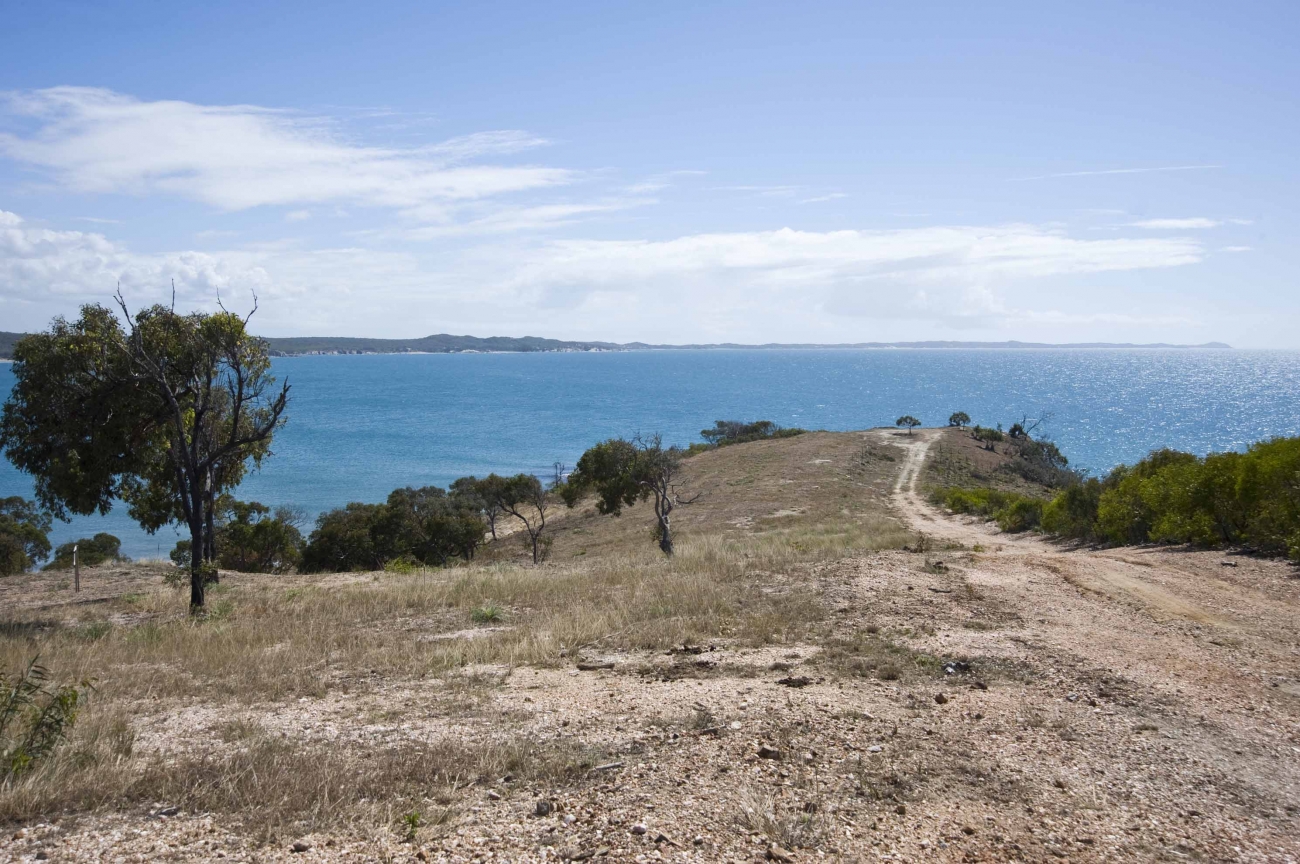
[796, 681]
[543, 808]
[776, 853]
[766, 751]
[940, 699]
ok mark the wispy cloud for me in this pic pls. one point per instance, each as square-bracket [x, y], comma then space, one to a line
[98, 221]
[1118, 171]
[820, 198]
[1175, 224]
[1236, 248]
[240, 156]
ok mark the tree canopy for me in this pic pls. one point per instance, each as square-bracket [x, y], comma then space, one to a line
[908, 421]
[89, 552]
[959, 419]
[162, 410]
[622, 472]
[24, 540]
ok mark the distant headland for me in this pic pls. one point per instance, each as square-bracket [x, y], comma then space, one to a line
[443, 343]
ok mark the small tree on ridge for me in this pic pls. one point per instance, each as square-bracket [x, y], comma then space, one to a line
[909, 421]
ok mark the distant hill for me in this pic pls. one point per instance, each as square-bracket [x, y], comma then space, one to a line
[443, 343]
[447, 344]
[7, 342]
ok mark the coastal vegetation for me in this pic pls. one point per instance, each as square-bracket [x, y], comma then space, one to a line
[908, 422]
[166, 413]
[89, 552]
[24, 535]
[1247, 499]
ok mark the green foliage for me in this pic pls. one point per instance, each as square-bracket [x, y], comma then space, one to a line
[623, 472]
[987, 436]
[1012, 512]
[90, 552]
[1250, 498]
[165, 414]
[726, 432]
[959, 419]
[488, 613]
[1073, 512]
[35, 717]
[427, 526]
[24, 530]
[908, 421]
[1041, 462]
[251, 539]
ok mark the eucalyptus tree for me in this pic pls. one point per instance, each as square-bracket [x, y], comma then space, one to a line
[161, 410]
[622, 472]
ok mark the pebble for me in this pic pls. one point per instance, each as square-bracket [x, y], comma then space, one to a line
[299, 846]
[941, 699]
[543, 808]
[638, 829]
[875, 748]
[493, 795]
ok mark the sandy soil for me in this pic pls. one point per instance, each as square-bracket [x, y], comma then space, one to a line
[1054, 704]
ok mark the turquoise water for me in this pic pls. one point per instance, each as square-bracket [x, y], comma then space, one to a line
[360, 426]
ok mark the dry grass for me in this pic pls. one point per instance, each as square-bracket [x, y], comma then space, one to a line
[770, 511]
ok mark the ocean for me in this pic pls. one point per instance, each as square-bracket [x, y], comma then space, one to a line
[362, 425]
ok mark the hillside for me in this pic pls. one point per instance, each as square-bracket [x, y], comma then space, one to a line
[829, 666]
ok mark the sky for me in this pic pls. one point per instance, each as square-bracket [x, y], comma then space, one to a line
[671, 172]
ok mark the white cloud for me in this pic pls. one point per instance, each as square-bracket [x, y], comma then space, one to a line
[36, 263]
[240, 156]
[1120, 171]
[820, 198]
[1175, 224]
[1236, 249]
[696, 286]
[297, 216]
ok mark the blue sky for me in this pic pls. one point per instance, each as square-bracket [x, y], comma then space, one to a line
[669, 172]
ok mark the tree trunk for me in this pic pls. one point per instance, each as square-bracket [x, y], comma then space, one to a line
[534, 537]
[665, 536]
[196, 564]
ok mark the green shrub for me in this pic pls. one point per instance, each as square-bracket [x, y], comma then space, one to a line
[727, 432]
[1012, 512]
[1250, 498]
[35, 717]
[90, 551]
[23, 535]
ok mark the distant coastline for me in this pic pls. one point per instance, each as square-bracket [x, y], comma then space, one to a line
[302, 346]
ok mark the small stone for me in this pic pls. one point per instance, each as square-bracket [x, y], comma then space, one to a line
[42, 856]
[1058, 783]
[569, 819]
[493, 795]
[875, 748]
[768, 752]
[736, 724]
[299, 846]
[1073, 697]
[422, 855]
[543, 808]
[698, 841]
[776, 853]
[967, 830]
[901, 809]
[941, 699]
[978, 685]
[167, 811]
[638, 829]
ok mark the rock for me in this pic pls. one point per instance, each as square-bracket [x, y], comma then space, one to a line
[638, 829]
[1058, 783]
[569, 819]
[776, 853]
[663, 838]
[941, 699]
[493, 795]
[796, 681]
[698, 841]
[901, 809]
[167, 811]
[594, 665]
[875, 748]
[736, 724]
[1228, 563]
[422, 855]
[955, 667]
[978, 685]
[543, 808]
[767, 752]
[967, 830]
[299, 846]
[42, 856]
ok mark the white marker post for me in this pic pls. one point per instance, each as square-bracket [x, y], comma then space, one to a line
[76, 572]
